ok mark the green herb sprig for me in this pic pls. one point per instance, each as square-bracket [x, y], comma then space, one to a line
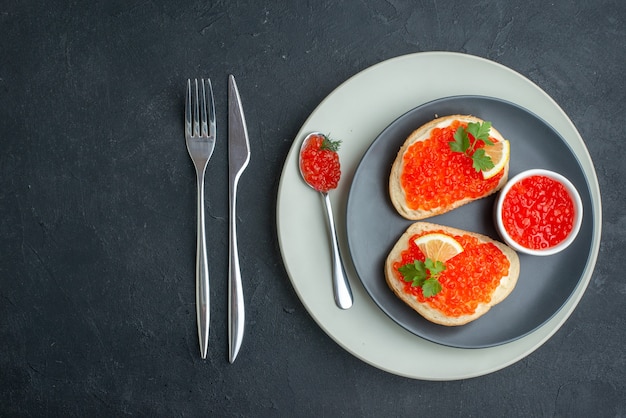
[464, 144]
[424, 274]
[329, 144]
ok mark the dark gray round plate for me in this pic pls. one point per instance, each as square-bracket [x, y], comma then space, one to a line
[374, 226]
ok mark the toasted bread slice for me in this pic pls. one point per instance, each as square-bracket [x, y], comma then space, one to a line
[398, 194]
[397, 285]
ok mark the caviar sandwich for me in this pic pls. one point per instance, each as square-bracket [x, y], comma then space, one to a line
[446, 163]
[450, 276]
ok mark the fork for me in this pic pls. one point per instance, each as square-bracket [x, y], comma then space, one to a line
[200, 139]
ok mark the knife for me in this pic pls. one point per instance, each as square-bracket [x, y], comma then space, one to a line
[238, 158]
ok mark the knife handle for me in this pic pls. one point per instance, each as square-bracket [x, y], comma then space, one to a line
[236, 309]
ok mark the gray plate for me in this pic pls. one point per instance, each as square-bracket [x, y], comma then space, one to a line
[373, 225]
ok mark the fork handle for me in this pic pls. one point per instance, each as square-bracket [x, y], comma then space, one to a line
[202, 272]
[237, 313]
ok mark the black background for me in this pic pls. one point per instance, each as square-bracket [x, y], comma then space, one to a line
[97, 204]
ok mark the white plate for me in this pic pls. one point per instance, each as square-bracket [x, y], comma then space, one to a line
[356, 112]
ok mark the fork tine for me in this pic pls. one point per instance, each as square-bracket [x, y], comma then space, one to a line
[196, 110]
[203, 119]
[211, 111]
[188, 109]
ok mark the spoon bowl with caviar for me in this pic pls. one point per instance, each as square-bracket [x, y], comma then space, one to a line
[320, 169]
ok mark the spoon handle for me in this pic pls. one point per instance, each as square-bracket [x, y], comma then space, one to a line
[341, 286]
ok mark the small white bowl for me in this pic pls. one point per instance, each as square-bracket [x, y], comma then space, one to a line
[578, 212]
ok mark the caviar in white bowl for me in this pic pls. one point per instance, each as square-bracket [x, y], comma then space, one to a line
[538, 212]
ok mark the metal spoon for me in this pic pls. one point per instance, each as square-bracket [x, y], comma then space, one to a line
[341, 287]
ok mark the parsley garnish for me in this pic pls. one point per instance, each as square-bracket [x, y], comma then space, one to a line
[424, 274]
[329, 144]
[467, 145]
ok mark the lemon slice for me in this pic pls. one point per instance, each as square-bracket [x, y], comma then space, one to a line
[438, 247]
[500, 153]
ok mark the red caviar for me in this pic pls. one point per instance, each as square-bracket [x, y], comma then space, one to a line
[434, 176]
[320, 166]
[538, 212]
[469, 279]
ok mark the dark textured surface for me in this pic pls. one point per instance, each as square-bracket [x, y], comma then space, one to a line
[97, 205]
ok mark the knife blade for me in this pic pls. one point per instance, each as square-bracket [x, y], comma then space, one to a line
[238, 158]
